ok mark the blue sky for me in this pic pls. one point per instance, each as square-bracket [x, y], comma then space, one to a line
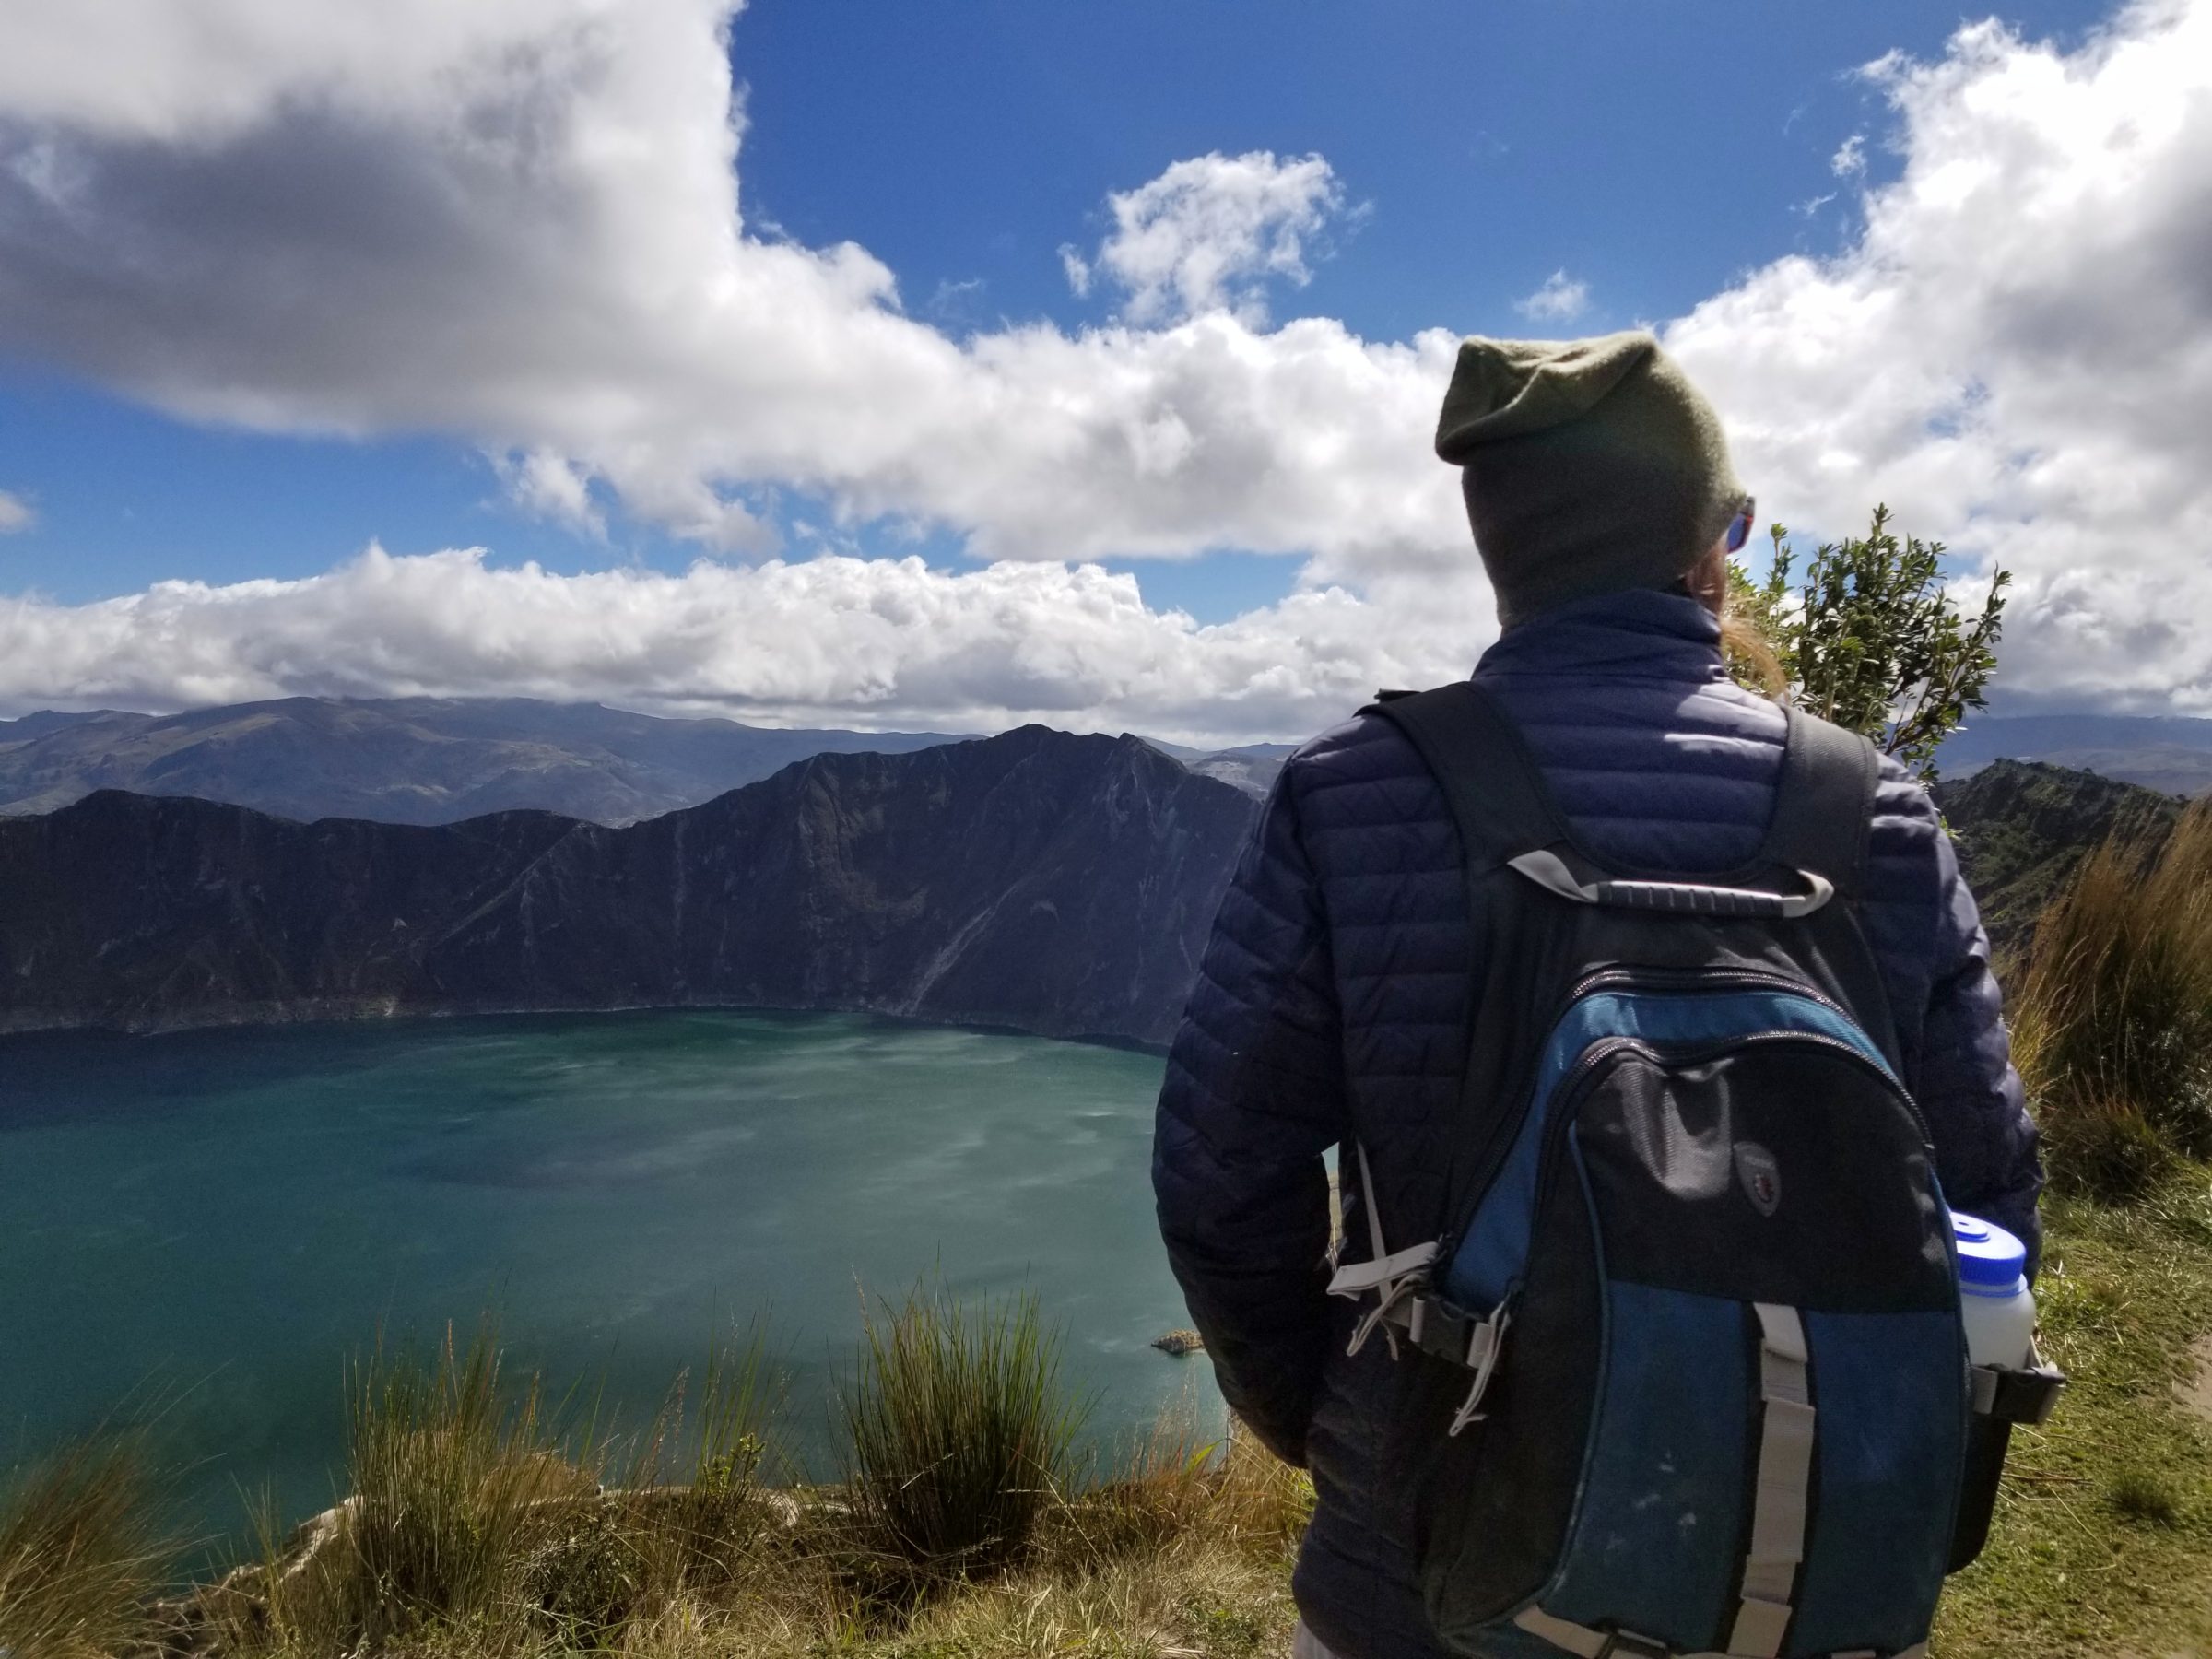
[1660, 157]
[1489, 147]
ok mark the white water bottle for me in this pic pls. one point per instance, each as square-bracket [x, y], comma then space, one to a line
[1994, 1299]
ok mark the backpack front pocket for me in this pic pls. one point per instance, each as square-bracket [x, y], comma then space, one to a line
[1773, 1442]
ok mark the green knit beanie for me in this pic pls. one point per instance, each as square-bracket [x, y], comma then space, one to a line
[1590, 467]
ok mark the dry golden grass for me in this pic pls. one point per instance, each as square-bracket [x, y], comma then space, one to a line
[1184, 1561]
[481, 1529]
[2112, 1015]
[480, 1514]
[82, 1551]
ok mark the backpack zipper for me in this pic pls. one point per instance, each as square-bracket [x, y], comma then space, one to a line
[1688, 981]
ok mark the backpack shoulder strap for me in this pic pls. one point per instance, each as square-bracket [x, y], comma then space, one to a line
[1825, 803]
[1490, 780]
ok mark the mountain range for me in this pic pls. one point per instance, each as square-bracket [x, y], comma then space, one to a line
[2170, 753]
[410, 759]
[439, 761]
[1038, 880]
[1252, 768]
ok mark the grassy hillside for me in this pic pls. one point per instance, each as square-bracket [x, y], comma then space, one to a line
[2102, 1545]
[2022, 828]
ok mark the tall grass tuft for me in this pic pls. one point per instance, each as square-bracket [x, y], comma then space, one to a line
[479, 1520]
[960, 1434]
[456, 1478]
[696, 1479]
[82, 1551]
[2112, 1027]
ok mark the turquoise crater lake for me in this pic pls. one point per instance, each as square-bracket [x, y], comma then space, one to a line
[219, 1219]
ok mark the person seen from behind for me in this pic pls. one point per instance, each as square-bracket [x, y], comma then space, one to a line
[1367, 966]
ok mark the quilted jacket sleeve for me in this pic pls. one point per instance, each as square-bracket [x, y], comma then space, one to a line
[1951, 1023]
[1985, 1142]
[1253, 1097]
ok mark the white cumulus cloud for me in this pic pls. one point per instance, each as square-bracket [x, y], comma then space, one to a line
[549, 487]
[1559, 299]
[1210, 233]
[15, 514]
[2016, 352]
[876, 644]
[519, 223]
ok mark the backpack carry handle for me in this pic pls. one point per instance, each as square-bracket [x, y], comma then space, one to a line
[1549, 871]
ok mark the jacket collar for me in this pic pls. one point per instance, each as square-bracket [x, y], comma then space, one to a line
[1643, 634]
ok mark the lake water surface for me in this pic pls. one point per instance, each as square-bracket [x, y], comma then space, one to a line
[220, 1219]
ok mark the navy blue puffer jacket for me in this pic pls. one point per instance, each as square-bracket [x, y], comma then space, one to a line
[1332, 1002]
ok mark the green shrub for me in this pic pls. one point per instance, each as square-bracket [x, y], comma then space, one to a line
[82, 1551]
[959, 1433]
[2113, 1015]
[478, 1521]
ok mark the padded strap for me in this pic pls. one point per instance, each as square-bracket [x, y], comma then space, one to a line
[1782, 1486]
[1825, 803]
[1499, 799]
[1581, 1640]
[1490, 780]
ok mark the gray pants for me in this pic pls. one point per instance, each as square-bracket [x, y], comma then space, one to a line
[1304, 1644]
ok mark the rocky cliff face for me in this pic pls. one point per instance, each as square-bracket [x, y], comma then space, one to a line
[1053, 883]
[2021, 828]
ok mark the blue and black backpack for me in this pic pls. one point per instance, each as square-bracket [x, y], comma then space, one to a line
[1685, 1370]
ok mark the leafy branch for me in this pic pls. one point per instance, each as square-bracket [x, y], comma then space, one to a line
[1873, 640]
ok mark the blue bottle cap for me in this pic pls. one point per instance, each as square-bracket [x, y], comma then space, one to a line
[1990, 1259]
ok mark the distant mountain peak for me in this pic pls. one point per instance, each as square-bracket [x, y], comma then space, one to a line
[411, 760]
[2172, 754]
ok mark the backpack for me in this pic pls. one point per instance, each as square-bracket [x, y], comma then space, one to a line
[1682, 1368]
